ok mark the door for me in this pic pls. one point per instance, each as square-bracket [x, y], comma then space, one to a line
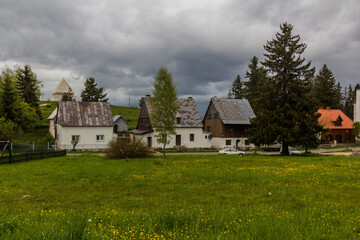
[178, 140]
[149, 141]
[237, 143]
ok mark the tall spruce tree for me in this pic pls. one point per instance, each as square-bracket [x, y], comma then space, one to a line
[237, 90]
[165, 108]
[92, 93]
[326, 92]
[256, 76]
[29, 87]
[12, 106]
[289, 83]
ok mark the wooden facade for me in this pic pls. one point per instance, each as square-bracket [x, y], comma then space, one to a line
[213, 123]
[144, 122]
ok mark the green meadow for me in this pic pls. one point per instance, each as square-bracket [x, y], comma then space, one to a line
[181, 197]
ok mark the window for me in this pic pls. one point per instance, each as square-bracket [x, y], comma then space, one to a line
[209, 116]
[192, 137]
[100, 138]
[215, 116]
[75, 138]
[228, 142]
[338, 122]
[208, 128]
[178, 120]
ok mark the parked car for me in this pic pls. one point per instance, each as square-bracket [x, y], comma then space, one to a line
[231, 151]
[292, 151]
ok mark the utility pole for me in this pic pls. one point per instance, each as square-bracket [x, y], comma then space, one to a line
[129, 99]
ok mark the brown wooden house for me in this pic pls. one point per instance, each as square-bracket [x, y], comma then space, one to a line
[228, 120]
[338, 124]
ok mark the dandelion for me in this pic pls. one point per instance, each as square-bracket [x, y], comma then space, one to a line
[89, 220]
[269, 193]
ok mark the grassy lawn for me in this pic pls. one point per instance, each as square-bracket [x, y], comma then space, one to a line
[202, 197]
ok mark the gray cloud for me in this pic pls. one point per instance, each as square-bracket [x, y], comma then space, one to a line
[204, 44]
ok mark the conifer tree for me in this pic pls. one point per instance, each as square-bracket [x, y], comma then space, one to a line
[28, 87]
[326, 92]
[165, 108]
[12, 106]
[92, 93]
[237, 91]
[256, 76]
[289, 85]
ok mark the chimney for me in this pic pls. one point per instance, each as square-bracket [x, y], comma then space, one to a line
[327, 108]
[148, 95]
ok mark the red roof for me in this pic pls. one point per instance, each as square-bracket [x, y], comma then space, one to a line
[330, 116]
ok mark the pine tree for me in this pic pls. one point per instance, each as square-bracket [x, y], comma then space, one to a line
[12, 106]
[326, 91]
[29, 87]
[237, 90]
[66, 97]
[9, 96]
[92, 93]
[165, 108]
[289, 84]
[254, 86]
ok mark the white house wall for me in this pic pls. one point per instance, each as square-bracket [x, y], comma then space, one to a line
[221, 142]
[201, 139]
[87, 137]
[357, 107]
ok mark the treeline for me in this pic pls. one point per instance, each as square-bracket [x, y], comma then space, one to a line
[325, 90]
[20, 92]
[285, 93]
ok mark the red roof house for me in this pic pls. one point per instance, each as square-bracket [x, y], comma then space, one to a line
[338, 124]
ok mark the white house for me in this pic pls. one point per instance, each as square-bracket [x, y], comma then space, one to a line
[189, 127]
[90, 123]
[120, 124]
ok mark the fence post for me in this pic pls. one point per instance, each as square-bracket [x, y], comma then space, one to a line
[11, 146]
[33, 146]
[48, 145]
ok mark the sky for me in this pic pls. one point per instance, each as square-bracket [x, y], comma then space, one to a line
[204, 44]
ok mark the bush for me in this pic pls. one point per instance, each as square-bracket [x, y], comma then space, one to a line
[133, 147]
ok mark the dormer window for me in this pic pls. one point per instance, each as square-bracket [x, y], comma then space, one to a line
[178, 120]
[338, 122]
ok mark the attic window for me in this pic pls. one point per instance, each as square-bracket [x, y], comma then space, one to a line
[209, 116]
[338, 122]
[178, 120]
[215, 116]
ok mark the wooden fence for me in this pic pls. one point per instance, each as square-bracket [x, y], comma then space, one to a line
[22, 157]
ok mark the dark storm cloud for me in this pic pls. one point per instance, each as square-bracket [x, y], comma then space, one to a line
[204, 44]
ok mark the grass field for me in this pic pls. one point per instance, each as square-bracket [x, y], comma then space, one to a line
[181, 197]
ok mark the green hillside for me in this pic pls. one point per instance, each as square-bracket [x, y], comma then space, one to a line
[40, 134]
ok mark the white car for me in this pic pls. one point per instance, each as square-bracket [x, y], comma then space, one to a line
[231, 151]
[293, 151]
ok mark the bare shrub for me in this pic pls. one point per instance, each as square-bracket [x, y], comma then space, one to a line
[134, 147]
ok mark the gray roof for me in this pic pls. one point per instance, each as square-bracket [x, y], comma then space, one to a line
[117, 117]
[233, 111]
[188, 112]
[85, 114]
